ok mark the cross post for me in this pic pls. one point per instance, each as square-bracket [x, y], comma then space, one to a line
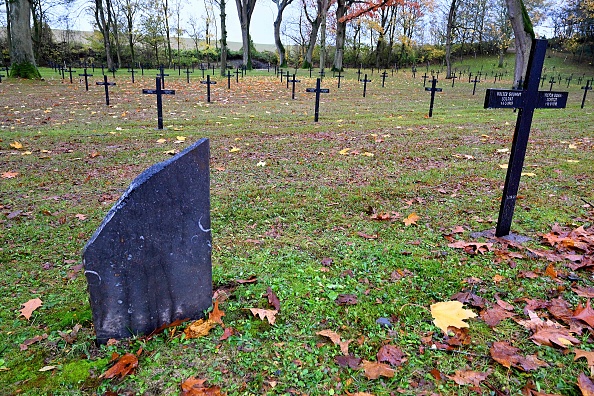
[228, 79]
[131, 70]
[322, 74]
[587, 88]
[162, 76]
[208, 83]
[86, 75]
[365, 81]
[70, 71]
[359, 75]
[433, 89]
[106, 85]
[475, 81]
[453, 79]
[287, 76]
[294, 80]
[237, 73]
[318, 91]
[384, 75]
[425, 77]
[159, 92]
[188, 72]
[339, 76]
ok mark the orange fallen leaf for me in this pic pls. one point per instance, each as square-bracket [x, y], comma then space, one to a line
[411, 219]
[199, 328]
[126, 365]
[585, 384]
[268, 314]
[468, 377]
[30, 306]
[16, 145]
[335, 338]
[9, 175]
[586, 314]
[195, 387]
[374, 370]
[215, 315]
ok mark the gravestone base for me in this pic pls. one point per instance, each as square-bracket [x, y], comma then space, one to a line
[149, 262]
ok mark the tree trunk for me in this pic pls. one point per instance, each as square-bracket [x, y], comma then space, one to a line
[116, 34]
[313, 37]
[8, 35]
[324, 15]
[523, 33]
[449, 38]
[222, 7]
[167, 35]
[105, 29]
[341, 11]
[245, 8]
[22, 59]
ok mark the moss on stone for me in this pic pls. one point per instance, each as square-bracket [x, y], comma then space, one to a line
[25, 70]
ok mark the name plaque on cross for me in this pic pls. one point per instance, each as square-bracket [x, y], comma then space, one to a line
[512, 98]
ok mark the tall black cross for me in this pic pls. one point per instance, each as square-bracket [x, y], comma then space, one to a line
[359, 75]
[162, 76]
[106, 85]
[237, 73]
[587, 88]
[131, 70]
[208, 84]
[318, 91]
[70, 71]
[86, 75]
[310, 70]
[453, 79]
[568, 79]
[287, 76]
[552, 82]
[188, 72]
[159, 92]
[365, 81]
[202, 68]
[433, 89]
[293, 80]
[322, 74]
[526, 100]
[475, 81]
[469, 76]
[113, 72]
[228, 79]
[339, 76]
[425, 77]
[384, 75]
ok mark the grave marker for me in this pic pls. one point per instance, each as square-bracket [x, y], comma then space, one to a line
[162, 76]
[106, 85]
[310, 70]
[339, 76]
[237, 72]
[318, 91]
[433, 89]
[188, 72]
[149, 262]
[322, 74]
[359, 75]
[552, 81]
[86, 76]
[526, 100]
[587, 88]
[202, 69]
[159, 92]
[287, 76]
[208, 84]
[384, 75]
[293, 80]
[425, 77]
[453, 79]
[131, 70]
[475, 81]
[365, 81]
[414, 71]
[70, 71]
[228, 79]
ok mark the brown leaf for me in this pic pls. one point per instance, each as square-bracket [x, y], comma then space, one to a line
[585, 384]
[195, 387]
[335, 338]
[391, 354]
[199, 328]
[269, 314]
[251, 279]
[348, 361]
[469, 298]
[25, 345]
[472, 247]
[9, 175]
[468, 377]
[215, 315]
[589, 355]
[367, 236]
[346, 299]
[126, 365]
[70, 337]
[374, 370]
[507, 355]
[493, 316]
[162, 328]
[411, 219]
[30, 306]
[584, 291]
[586, 314]
[228, 332]
[551, 335]
[273, 299]
[460, 337]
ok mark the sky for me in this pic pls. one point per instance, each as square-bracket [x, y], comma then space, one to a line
[261, 28]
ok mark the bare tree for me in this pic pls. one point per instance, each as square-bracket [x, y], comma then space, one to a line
[245, 8]
[22, 59]
[102, 8]
[165, 9]
[523, 33]
[281, 5]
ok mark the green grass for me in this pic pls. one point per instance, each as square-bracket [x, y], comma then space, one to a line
[310, 202]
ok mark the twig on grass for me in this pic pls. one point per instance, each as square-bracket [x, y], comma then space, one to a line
[592, 206]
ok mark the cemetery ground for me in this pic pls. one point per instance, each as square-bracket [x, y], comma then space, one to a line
[332, 241]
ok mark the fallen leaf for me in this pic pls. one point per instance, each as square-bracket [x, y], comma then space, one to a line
[552, 335]
[391, 354]
[94, 154]
[47, 368]
[273, 299]
[374, 370]
[367, 236]
[589, 355]
[411, 219]
[195, 387]
[468, 377]
[25, 345]
[161, 141]
[348, 361]
[586, 385]
[344, 151]
[269, 314]
[450, 313]
[493, 316]
[30, 306]
[181, 138]
[234, 149]
[9, 175]
[228, 332]
[16, 145]
[80, 216]
[126, 365]
[215, 315]
[508, 356]
[164, 326]
[199, 328]
[586, 315]
[346, 299]
[70, 337]
[335, 338]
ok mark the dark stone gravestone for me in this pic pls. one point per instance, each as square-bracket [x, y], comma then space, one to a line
[587, 88]
[318, 91]
[526, 100]
[86, 76]
[208, 83]
[149, 262]
[159, 92]
[433, 89]
[106, 85]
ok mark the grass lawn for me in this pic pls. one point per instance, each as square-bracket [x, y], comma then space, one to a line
[358, 224]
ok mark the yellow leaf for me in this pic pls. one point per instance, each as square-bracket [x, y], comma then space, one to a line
[9, 175]
[26, 153]
[47, 368]
[199, 328]
[450, 313]
[503, 150]
[170, 152]
[268, 314]
[529, 174]
[573, 161]
[368, 154]
[181, 138]
[16, 145]
[503, 166]
[234, 150]
[572, 146]
[411, 219]
[344, 151]
[161, 141]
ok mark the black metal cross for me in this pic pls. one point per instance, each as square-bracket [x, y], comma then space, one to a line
[310, 70]
[469, 76]
[159, 92]
[188, 72]
[208, 84]
[587, 88]
[131, 70]
[425, 77]
[293, 80]
[202, 68]
[106, 85]
[318, 91]
[86, 75]
[433, 89]
[339, 76]
[414, 71]
[228, 79]
[365, 81]
[162, 76]
[287, 76]
[384, 75]
[526, 100]
[359, 75]
[322, 74]
[475, 81]
[453, 79]
[70, 71]
[237, 73]
[551, 81]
